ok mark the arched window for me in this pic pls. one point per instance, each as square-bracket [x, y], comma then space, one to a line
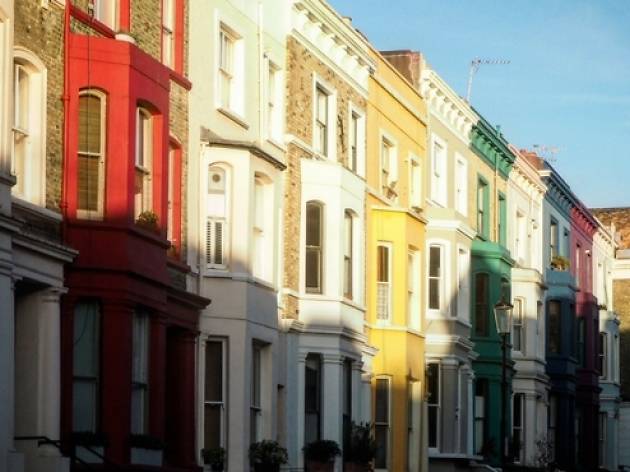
[91, 154]
[29, 118]
[216, 218]
[314, 246]
[144, 163]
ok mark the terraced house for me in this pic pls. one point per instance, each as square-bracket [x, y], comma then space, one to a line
[237, 124]
[559, 315]
[526, 192]
[328, 358]
[491, 283]
[396, 163]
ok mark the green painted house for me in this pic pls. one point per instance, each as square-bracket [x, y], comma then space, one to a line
[490, 273]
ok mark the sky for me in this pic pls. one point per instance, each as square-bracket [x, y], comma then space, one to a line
[567, 85]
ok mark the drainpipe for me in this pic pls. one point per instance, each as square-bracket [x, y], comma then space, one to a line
[65, 98]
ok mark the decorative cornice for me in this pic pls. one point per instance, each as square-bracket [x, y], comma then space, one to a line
[525, 176]
[489, 144]
[445, 104]
[319, 26]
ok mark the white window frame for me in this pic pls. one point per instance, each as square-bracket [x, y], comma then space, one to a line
[354, 111]
[217, 216]
[463, 284]
[349, 254]
[384, 286]
[256, 392]
[415, 181]
[223, 403]
[107, 12]
[414, 317]
[388, 166]
[461, 184]
[437, 405]
[231, 72]
[330, 146]
[443, 278]
[321, 248]
[31, 171]
[274, 102]
[98, 214]
[169, 14]
[521, 427]
[519, 302]
[520, 236]
[144, 160]
[387, 425]
[602, 354]
[439, 177]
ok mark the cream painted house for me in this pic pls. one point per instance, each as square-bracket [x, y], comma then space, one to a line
[530, 382]
[237, 157]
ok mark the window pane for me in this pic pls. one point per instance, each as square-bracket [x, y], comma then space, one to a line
[554, 326]
[434, 294]
[381, 437]
[382, 401]
[84, 405]
[89, 124]
[434, 261]
[214, 371]
[313, 224]
[481, 304]
[86, 340]
[383, 264]
[212, 426]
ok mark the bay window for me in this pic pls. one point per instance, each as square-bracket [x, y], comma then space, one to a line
[553, 327]
[348, 252]
[481, 400]
[482, 288]
[140, 374]
[313, 398]
[413, 289]
[383, 282]
[602, 355]
[382, 405]
[216, 236]
[91, 154]
[436, 278]
[86, 367]
[433, 403]
[255, 393]
[518, 328]
[144, 163]
[518, 416]
[314, 247]
[214, 399]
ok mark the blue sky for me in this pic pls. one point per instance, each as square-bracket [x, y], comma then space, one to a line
[568, 83]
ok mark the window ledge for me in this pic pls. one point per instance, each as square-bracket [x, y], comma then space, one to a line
[236, 118]
[34, 208]
[277, 144]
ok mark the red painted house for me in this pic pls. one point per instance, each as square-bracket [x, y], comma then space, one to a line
[129, 326]
[583, 227]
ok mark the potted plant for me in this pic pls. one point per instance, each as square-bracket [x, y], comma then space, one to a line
[89, 446]
[146, 450]
[148, 220]
[360, 448]
[560, 263]
[320, 455]
[215, 458]
[267, 456]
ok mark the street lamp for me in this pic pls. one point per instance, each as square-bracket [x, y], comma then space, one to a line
[503, 318]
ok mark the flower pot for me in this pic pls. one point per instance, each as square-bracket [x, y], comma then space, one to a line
[316, 466]
[266, 467]
[142, 456]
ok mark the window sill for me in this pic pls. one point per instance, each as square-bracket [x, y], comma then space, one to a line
[277, 144]
[236, 118]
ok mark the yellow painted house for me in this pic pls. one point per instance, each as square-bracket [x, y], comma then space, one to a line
[396, 159]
